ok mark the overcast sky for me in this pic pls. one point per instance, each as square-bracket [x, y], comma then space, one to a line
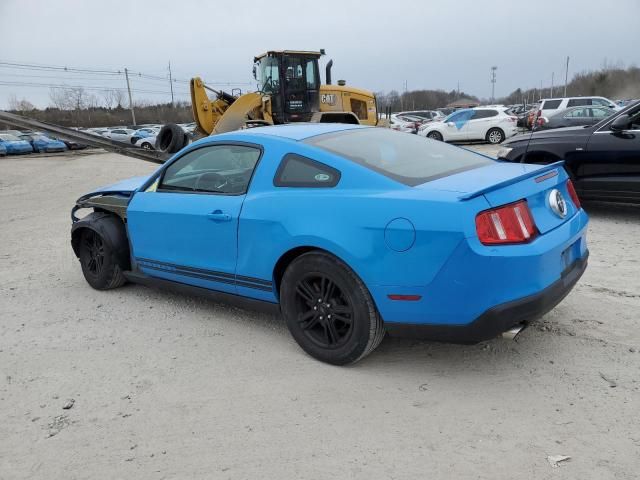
[375, 44]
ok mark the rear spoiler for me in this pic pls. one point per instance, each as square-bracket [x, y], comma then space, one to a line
[511, 181]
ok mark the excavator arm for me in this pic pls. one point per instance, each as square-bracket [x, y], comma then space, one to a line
[226, 113]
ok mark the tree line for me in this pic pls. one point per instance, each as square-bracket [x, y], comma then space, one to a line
[75, 107]
[613, 82]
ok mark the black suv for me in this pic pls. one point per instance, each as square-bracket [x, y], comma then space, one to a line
[603, 159]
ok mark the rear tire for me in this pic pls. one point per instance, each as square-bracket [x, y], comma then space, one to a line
[495, 136]
[329, 310]
[435, 136]
[99, 262]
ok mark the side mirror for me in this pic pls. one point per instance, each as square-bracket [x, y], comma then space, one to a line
[451, 124]
[620, 124]
[255, 74]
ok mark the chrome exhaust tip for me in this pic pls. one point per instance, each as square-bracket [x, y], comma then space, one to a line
[513, 332]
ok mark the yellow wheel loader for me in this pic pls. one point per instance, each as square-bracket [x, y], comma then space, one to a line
[289, 91]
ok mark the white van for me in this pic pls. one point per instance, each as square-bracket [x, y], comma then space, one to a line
[549, 106]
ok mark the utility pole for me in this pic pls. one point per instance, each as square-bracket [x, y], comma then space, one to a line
[171, 85]
[493, 83]
[133, 114]
[551, 91]
[566, 77]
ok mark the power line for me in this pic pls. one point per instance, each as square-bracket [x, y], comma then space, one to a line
[75, 70]
[95, 88]
[27, 66]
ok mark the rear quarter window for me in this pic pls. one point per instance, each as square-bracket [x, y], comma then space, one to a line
[408, 159]
[578, 102]
[298, 171]
[551, 104]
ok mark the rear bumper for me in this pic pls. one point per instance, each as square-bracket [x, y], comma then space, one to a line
[500, 318]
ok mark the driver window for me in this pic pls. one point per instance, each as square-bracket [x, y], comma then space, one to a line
[225, 169]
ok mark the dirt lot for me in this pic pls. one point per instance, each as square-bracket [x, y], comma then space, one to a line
[167, 386]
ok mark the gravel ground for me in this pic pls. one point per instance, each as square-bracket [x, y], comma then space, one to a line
[158, 385]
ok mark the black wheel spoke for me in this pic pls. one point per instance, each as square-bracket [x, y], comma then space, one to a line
[342, 310]
[329, 288]
[331, 330]
[342, 318]
[308, 320]
[306, 292]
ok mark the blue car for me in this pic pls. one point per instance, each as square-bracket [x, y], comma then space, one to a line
[42, 143]
[348, 231]
[13, 145]
[3, 150]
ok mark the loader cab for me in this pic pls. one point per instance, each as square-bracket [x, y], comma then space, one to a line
[292, 80]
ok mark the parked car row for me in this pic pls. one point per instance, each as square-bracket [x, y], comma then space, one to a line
[16, 142]
[540, 115]
[142, 136]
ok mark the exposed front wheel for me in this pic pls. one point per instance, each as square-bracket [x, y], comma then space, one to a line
[435, 136]
[99, 262]
[328, 309]
[495, 136]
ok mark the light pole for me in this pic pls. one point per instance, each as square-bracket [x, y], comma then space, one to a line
[493, 83]
[566, 77]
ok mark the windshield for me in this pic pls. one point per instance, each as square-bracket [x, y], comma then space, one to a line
[8, 137]
[408, 159]
[269, 75]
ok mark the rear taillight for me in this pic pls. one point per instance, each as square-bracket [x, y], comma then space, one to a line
[573, 194]
[507, 224]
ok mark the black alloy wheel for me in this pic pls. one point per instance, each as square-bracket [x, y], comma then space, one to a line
[325, 313]
[329, 310]
[94, 257]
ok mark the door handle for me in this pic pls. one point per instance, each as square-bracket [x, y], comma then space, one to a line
[219, 216]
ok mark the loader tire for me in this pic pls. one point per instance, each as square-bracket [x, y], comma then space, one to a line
[171, 138]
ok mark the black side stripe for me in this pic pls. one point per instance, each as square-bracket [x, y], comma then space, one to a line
[228, 278]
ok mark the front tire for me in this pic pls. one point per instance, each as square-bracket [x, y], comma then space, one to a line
[99, 261]
[435, 136]
[495, 136]
[329, 310]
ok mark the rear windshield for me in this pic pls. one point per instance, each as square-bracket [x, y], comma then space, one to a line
[8, 137]
[406, 158]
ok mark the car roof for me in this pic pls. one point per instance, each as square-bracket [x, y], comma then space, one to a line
[299, 131]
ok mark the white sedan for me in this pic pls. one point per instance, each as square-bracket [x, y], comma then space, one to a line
[491, 124]
[120, 134]
[147, 143]
[404, 123]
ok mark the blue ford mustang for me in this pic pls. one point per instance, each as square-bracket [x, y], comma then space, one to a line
[349, 231]
[42, 143]
[13, 145]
